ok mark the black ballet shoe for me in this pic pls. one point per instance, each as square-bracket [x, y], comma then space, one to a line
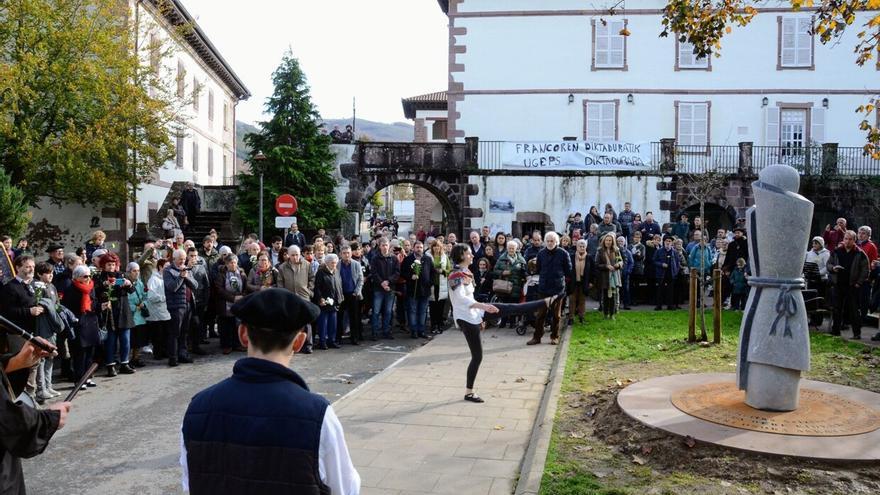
[473, 398]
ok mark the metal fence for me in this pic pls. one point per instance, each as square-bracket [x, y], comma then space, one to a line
[806, 160]
[854, 161]
[489, 155]
[696, 159]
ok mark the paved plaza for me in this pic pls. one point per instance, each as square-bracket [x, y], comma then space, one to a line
[410, 432]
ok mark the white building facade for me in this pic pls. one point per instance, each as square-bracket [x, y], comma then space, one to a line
[544, 70]
[204, 150]
[547, 69]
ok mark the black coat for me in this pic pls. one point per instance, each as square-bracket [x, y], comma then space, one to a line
[122, 317]
[15, 304]
[191, 202]
[737, 248]
[421, 287]
[87, 329]
[26, 430]
[326, 287]
[483, 284]
[384, 268]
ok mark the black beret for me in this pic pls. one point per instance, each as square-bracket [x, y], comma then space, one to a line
[275, 309]
[741, 229]
[54, 247]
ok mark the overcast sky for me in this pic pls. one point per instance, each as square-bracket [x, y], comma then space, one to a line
[378, 51]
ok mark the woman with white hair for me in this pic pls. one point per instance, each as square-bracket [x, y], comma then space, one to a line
[327, 295]
[81, 300]
[510, 269]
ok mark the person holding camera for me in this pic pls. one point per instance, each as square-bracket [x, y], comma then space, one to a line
[179, 288]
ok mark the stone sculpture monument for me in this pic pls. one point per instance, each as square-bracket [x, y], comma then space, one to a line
[774, 346]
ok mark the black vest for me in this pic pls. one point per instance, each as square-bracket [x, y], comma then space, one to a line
[257, 432]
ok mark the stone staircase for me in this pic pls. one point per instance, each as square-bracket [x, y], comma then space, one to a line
[218, 204]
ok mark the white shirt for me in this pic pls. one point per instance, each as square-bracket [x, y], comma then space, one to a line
[821, 259]
[334, 463]
[462, 299]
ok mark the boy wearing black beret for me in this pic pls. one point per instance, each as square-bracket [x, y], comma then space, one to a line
[261, 430]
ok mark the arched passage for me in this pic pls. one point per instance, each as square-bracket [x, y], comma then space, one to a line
[717, 216]
[450, 188]
[424, 205]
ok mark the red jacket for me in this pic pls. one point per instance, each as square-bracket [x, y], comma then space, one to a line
[833, 238]
[870, 250]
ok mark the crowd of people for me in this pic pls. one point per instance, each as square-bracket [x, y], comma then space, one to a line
[177, 294]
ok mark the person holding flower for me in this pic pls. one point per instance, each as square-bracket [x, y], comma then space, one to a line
[418, 271]
[113, 288]
[48, 326]
[610, 263]
[229, 286]
[327, 296]
[263, 275]
[439, 289]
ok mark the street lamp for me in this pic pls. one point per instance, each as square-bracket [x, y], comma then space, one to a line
[260, 158]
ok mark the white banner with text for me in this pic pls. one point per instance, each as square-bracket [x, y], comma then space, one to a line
[575, 155]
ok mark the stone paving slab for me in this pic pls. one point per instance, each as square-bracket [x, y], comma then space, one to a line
[410, 431]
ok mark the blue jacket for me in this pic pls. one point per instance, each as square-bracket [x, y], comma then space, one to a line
[628, 261]
[694, 259]
[553, 267]
[531, 251]
[661, 257]
[263, 421]
[175, 292]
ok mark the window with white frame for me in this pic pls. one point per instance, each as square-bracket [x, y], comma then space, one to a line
[178, 161]
[796, 42]
[609, 47]
[197, 89]
[210, 162]
[687, 59]
[211, 109]
[181, 79]
[793, 130]
[693, 124]
[601, 120]
[195, 156]
[225, 115]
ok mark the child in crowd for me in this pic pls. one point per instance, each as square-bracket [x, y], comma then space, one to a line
[739, 281]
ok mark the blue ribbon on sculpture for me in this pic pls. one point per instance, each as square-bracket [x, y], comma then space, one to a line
[786, 304]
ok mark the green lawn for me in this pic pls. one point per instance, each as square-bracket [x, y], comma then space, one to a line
[606, 355]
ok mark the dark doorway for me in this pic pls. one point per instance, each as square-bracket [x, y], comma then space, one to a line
[717, 217]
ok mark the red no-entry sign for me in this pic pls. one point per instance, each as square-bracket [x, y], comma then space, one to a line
[285, 205]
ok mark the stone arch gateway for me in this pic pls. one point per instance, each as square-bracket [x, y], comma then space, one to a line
[439, 168]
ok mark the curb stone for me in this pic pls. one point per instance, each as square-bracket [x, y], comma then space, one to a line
[532, 469]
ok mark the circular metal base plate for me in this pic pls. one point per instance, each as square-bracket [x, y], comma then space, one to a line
[650, 402]
[818, 413]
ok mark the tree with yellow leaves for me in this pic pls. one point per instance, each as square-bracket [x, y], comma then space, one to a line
[705, 22]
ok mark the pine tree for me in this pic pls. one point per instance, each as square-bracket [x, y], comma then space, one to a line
[298, 158]
[14, 214]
